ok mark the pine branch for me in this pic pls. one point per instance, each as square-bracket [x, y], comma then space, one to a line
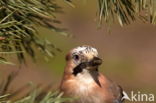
[18, 31]
[127, 11]
[34, 93]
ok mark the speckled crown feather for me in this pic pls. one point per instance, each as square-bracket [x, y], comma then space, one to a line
[85, 50]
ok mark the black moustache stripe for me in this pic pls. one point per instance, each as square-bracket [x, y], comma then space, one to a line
[80, 67]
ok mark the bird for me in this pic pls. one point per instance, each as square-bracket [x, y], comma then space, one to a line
[83, 81]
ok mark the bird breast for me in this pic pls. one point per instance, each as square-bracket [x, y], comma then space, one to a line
[82, 86]
[84, 82]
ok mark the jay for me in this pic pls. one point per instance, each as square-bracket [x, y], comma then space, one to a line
[83, 81]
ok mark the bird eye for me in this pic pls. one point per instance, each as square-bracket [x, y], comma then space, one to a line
[76, 57]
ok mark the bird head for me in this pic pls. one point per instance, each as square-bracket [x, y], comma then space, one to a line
[83, 57]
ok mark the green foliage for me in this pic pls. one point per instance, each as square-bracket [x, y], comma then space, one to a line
[4, 61]
[50, 97]
[19, 20]
[33, 95]
[127, 11]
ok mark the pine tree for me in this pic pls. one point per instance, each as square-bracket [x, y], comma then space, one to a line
[19, 35]
[126, 11]
[18, 32]
[18, 20]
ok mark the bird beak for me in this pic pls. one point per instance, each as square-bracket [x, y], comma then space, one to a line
[95, 61]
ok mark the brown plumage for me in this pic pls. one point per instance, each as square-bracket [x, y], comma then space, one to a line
[83, 81]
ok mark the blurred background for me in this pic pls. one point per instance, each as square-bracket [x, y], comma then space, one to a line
[129, 53]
